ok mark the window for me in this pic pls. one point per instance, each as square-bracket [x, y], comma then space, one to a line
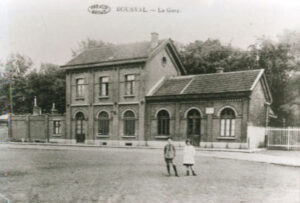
[56, 127]
[80, 87]
[163, 123]
[103, 123]
[79, 123]
[129, 123]
[227, 123]
[164, 61]
[103, 91]
[129, 84]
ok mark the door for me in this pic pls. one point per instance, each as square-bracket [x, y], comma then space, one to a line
[80, 136]
[193, 127]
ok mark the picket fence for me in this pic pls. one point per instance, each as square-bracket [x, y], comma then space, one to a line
[286, 138]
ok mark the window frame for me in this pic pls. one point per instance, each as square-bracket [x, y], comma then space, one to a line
[80, 87]
[227, 124]
[103, 85]
[130, 85]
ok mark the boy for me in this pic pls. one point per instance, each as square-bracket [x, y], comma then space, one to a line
[169, 154]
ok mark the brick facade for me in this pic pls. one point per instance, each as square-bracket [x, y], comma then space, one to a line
[227, 107]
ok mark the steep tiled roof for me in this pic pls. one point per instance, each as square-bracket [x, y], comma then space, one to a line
[209, 83]
[113, 53]
[173, 86]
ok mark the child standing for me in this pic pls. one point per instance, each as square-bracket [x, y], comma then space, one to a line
[189, 157]
[169, 155]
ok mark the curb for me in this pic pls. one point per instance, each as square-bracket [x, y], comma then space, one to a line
[131, 147]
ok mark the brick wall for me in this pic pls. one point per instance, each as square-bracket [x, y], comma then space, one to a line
[210, 124]
[257, 107]
[36, 128]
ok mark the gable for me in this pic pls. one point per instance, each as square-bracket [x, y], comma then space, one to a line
[261, 87]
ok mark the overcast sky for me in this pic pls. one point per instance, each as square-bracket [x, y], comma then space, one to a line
[47, 30]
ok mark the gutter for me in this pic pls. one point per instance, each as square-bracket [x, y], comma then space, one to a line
[105, 63]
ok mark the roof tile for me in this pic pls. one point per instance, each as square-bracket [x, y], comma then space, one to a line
[209, 83]
[113, 53]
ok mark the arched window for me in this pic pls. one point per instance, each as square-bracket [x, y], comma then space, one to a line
[103, 123]
[163, 123]
[227, 123]
[79, 123]
[129, 123]
[193, 122]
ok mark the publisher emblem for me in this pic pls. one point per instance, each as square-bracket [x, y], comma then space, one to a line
[99, 9]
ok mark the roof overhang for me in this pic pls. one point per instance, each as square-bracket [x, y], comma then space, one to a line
[105, 63]
[176, 56]
[221, 95]
[262, 77]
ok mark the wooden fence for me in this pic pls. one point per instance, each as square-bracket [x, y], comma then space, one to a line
[283, 138]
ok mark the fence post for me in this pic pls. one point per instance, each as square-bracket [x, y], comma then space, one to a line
[268, 137]
[28, 136]
[288, 138]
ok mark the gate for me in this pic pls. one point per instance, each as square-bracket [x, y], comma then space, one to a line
[283, 138]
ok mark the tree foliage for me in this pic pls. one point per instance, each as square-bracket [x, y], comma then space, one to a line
[20, 83]
[199, 57]
[88, 44]
[275, 58]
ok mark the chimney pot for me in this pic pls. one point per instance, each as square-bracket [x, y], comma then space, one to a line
[219, 70]
[154, 39]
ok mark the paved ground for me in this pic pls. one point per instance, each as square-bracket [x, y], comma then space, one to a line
[138, 175]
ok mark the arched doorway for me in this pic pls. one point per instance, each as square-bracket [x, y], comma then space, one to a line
[79, 127]
[129, 123]
[163, 123]
[194, 126]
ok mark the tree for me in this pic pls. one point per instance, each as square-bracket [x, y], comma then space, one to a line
[13, 82]
[48, 85]
[21, 83]
[277, 62]
[204, 57]
[17, 65]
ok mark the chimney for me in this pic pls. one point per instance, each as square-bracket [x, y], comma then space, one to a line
[219, 70]
[154, 39]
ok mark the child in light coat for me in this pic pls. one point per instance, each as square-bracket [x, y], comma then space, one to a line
[189, 157]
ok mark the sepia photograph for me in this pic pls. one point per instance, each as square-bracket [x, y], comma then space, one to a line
[148, 101]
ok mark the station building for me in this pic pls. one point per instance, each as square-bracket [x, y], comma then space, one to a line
[140, 94]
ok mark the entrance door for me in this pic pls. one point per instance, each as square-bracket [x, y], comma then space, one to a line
[193, 126]
[80, 136]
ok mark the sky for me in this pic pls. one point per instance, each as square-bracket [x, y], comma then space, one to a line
[47, 30]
